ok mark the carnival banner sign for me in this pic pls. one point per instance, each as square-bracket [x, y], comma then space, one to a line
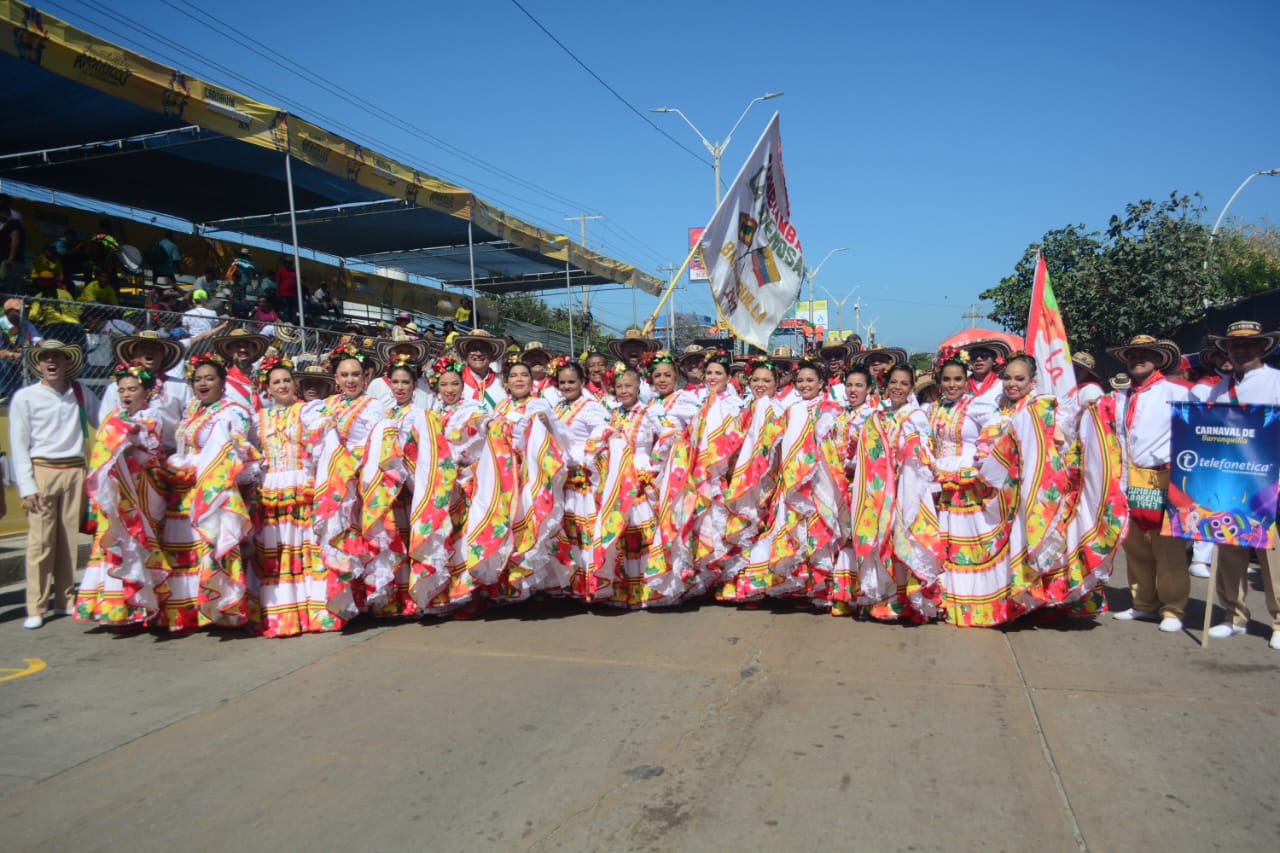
[751, 249]
[697, 269]
[1225, 473]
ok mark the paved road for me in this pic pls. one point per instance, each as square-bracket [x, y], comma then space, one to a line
[700, 729]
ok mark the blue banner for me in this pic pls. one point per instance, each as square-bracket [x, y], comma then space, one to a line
[1225, 473]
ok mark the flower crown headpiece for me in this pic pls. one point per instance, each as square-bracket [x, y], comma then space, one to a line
[951, 355]
[342, 352]
[651, 360]
[444, 364]
[720, 357]
[403, 361]
[761, 361]
[202, 359]
[137, 371]
[270, 363]
[557, 362]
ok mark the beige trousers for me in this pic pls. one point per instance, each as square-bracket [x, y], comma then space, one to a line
[1157, 567]
[1233, 582]
[52, 537]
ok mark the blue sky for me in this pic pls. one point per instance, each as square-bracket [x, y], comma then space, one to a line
[935, 140]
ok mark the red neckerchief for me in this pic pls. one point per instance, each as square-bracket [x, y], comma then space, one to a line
[540, 385]
[834, 381]
[1131, 408]
[784, 390]
[978, 390]
[244, 385]
[598, 390]
[693, 387]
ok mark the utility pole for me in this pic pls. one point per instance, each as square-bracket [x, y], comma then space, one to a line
[667, 271]
[586, 300]
[973, 316]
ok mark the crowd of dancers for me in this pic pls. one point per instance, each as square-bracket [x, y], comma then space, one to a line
[390, 479]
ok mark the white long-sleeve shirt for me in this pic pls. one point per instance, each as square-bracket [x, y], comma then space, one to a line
[1144, 421]
[1260, 386]
[44, 424]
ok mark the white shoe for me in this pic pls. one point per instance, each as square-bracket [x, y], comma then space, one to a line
[1275, 640]
[1198, 570]
[1171, 624]
[33, 622]
[1131, 615]
[1224, 630]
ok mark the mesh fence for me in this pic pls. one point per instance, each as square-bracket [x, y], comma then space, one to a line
[95, 327]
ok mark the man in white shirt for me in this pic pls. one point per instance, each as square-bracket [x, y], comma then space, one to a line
[1246, 345]
[161, 356]
[50, 425]
[480, 383]
[200, 319]
[1156, 564]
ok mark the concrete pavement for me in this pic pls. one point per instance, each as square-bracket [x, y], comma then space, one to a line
[700, 729]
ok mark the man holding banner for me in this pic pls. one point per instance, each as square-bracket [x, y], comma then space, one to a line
[1157, 564]
[1252, 382]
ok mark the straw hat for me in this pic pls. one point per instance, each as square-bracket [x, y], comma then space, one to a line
[782, 357]
[833, 348]
[74, 355]
[1247, 330]
[692, 353]
[1085, 362]
[126, 349]
[385, 348]
[287, 333]
[631, 339]
[535, 353]
[317, 375]
[257, 344]
[997, 346]
[482, 339]
[925, 381]
[1211, 358]
[895, 355]
[1166, 352]
[1121, 381]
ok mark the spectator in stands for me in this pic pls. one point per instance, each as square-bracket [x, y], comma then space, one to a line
[55, 312]
[208, 280]
[165, 258]
[18, 334]
[101, 289]
[13, 249]
[449, 333]
[264, 313]
[200, 318]
[48, 261]
[70, 248]
[102, 248]
[287, 290]
[98, 357]
[242, 273]
[320, 295]
[462, 315]
[119, 327]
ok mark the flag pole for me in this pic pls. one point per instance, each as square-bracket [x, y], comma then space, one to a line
[653, 318]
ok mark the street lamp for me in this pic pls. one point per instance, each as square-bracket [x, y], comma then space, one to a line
[717, 148]
[1214, 233]
[840, 303]
[812, 273]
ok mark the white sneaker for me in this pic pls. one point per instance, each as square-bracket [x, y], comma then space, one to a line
[1224, 630]
[33, 622]
[1275, 640]
[1131, 615]
[1198, 570]
[1171, 624]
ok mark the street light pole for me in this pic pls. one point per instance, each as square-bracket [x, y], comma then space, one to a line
[840, 303]
[1208, 249]
[812, 272]
[716, 149]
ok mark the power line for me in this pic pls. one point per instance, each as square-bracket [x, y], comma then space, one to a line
[188, 59]
[273, 56]
[695, 155]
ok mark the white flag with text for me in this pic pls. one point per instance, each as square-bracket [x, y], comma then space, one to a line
[751, 249]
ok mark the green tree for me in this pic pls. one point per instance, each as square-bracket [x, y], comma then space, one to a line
[921, 361]
[532, 310]
[1144, 274]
